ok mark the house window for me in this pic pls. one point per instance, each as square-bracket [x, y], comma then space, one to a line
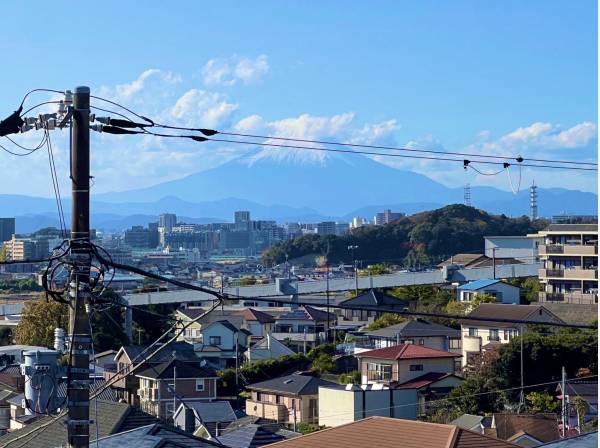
[509, 334]
[214, 340]
[473, 332]
[421, 341]
[379, 372]
[454, 343]
[199, 384]
[415, 367]
[169, 409]
[494, 335]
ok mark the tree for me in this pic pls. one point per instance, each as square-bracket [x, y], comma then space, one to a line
[385, 320]
[321, 349]
[247, 281]
[323, 364]
[582, 407]
[38, 321]
[539, 402]
[350, 378]
[374, 269]
[307, 428]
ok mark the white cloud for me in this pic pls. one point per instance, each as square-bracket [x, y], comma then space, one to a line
[229, 71]
[201, 108]
[126, 91]
[251, 124]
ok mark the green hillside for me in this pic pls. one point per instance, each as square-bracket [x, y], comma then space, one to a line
[421, 239]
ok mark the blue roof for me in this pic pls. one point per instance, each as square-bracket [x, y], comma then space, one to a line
[478, 284]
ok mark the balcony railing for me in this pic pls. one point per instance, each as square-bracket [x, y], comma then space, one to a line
[271, 411]
[575, 297]
[378, 375]
[568, 249]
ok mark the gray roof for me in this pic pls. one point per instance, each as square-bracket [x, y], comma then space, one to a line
[211, 411]
[183, 351]
[251, 436]
[294, 384]
[107, 394]
[110, 416]
[154, 436]
[414, 328]
[589, 440]
[307, 312]
[375, 298]
[572, 227]
[184, 370]
[467, 421]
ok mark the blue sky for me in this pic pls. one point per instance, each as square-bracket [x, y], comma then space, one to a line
[499, 77]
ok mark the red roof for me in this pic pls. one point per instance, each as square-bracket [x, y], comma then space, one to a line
[406, 351]
[424, 380]
[252, 314]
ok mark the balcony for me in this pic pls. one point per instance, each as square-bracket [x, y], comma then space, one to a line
[296, 337]
[568, 249]
[576, 273]
[572, 297]
[554, 273]
[271, 411]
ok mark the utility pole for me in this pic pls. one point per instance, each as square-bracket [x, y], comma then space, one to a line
[352, 248]
[564, 401]
[327, 289]
[522, 394]
[494, 262]
[78, 393]
[174, 388]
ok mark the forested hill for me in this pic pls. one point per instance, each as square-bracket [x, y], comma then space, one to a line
[421, 239]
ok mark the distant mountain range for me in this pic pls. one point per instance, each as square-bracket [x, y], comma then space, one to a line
[291, 190]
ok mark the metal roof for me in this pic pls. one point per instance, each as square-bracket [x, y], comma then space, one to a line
[479, 284]
[294, 384]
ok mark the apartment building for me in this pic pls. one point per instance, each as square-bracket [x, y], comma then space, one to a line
[570, 256]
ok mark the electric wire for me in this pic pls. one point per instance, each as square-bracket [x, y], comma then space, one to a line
[211, 132]
[56, 186]
[40, 90]
[40, 105]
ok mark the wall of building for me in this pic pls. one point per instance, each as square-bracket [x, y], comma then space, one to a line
[338, 406]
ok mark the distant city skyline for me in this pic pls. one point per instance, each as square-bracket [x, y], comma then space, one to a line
[460, 80]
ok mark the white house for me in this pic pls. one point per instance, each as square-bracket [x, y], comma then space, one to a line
[503, 292]
[519, 247]
[267, 348]
[222, 342]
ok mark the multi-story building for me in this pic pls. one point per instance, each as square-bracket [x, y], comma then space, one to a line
[22, 249]
[570, 256]
[326, 228]
[167, 221]
[7, 229]
[159, 384]
[386, 217]
[479, 335]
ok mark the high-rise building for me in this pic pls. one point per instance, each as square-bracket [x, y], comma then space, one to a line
[326, 228]
[570, 256]
[386, 217]
[22, 249]
[7, 229]
[167, 221]
[241, 216]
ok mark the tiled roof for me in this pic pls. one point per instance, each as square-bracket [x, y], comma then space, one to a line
[589, 440]
[478, 284]
[294, 384]
[468, 421]
[543, 427]
[406, 351]
[254, 436]
[97, 382]
[425, 380]
[462, 259]
[581, 387]
[183, 351]
[375, 298]
[154, 436]
[384, 432]
[184, 370]
[504, 311]
[414, 328]
[260, 316]
[110, 415]
[307, 313]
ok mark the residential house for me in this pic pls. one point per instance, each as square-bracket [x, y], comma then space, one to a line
[303, 328]
[128, 356]
[419, 332]
[222, 343]
[204, 419]
[477, 423]
[254, 432]
[377, 302]
[161, 383]
[587, 440]
[257, 322]
[430, 387]
[476, 261]
[104, 359]
[527, 430]
[401, 363]
[157, 435]
[267, 348]
[341, 404]
[289, 400]
[586, 389]
[503, 292]
[478, 334]
[520, 247]
[383, 432]
[111, 418]
[193, 331]
[570, 256]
